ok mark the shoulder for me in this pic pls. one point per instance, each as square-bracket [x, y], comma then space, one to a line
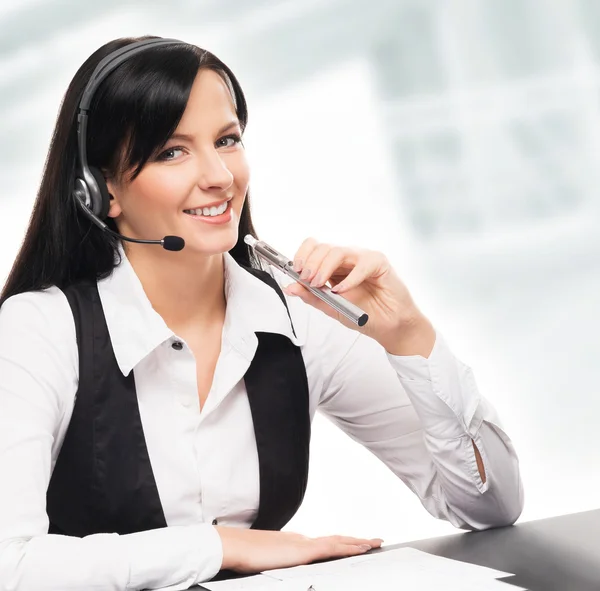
[37, 319]
[39, 360]
[49, 305]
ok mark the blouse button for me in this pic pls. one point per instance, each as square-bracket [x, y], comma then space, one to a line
[177, 345]
[214, 522]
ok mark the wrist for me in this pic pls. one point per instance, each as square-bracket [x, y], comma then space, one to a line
[229, 561]
[415, 337]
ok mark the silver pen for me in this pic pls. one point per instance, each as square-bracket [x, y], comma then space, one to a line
[281, 262]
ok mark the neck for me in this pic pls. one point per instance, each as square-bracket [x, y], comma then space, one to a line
[186, 291]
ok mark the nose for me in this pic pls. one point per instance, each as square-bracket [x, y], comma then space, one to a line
[213, 172]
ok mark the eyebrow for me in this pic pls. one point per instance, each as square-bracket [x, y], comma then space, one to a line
[189, 138]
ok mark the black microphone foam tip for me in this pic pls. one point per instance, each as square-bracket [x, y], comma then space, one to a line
[173, 243]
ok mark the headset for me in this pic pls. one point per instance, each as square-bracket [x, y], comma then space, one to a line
[90, 191]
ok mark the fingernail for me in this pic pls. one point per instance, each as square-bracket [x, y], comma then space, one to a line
[365, 547]
[305, 274]
[317, 281]
[338, 287]
[298, 265]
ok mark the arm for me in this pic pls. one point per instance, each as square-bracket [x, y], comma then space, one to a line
[38, 365]
[397, 389]
[420, 342]
[425, 419]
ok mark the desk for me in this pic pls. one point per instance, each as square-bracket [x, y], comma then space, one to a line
[554, 554]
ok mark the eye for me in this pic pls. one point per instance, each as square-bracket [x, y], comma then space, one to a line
[228, 141]
[170, 154]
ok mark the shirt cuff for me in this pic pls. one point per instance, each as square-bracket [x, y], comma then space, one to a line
[174, 557]
[442, 389]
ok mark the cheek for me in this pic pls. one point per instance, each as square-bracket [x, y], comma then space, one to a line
[159, 188]
[237, 164]
[241, 179]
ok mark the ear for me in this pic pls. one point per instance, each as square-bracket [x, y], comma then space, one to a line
[114, 190]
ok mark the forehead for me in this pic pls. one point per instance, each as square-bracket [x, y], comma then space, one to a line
[210, 101]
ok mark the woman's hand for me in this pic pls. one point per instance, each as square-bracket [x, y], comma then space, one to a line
[365, 278]
[252, 551]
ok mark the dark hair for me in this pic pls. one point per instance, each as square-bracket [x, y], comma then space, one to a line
[134, 112]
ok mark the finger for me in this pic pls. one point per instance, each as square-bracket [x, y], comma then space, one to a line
[338, 261]
[303, 252]
[338, 546]
[313, 261]
[353, 550]
[341, 551]
[349, 549]
[297, 289]
[373, 542]
[367, 266]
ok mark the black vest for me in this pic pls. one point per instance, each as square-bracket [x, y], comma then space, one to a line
[103, 481]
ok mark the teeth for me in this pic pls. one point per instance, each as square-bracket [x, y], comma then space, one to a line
[209, 211]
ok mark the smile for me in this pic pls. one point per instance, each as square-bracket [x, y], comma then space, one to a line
[212, 211]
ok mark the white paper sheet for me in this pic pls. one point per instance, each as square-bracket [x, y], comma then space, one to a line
[255, 583]
[404, 568]
[390, 580]
[379, 581]
[410, 557]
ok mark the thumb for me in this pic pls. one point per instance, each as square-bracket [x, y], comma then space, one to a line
[298, 290]
[294, 289]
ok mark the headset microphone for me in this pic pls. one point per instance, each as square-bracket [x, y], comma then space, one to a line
[173, 243]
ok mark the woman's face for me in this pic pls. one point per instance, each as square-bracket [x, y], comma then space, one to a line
[203, 165]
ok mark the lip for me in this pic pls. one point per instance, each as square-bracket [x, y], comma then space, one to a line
[213, 204]
[218, 220]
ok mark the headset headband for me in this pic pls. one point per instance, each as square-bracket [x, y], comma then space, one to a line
[103, 69]
[115, 59]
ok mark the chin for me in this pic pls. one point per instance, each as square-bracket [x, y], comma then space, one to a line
[216, 245]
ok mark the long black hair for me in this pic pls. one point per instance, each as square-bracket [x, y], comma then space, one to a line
[133, 113]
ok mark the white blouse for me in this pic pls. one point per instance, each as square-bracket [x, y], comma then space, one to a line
[417, 415]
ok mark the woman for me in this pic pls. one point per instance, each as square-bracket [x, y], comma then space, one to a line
[155, 406]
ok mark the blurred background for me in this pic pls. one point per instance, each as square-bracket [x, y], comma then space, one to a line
[460, 137]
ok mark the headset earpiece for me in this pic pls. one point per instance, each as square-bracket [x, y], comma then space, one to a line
[99, 194]
[91, 193]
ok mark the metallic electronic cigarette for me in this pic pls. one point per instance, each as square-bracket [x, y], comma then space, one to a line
[281, 262]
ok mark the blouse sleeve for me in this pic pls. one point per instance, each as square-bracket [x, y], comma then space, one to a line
[420, 417]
